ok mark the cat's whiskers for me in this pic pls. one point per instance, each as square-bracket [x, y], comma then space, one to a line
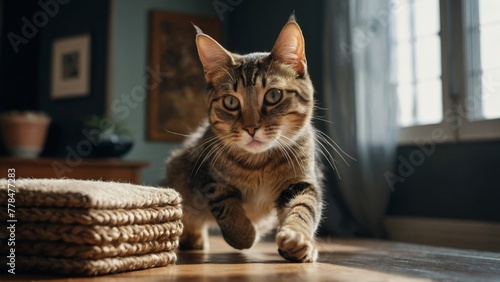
[329, 141]
[203, 144]
[177, 133]
[197, 164]
[324, 141]
[320, 108]
[329, 158]
[222, 150]
[293, 147]
[211, 147]
[322, 119]
[283, 149]
[218, 151]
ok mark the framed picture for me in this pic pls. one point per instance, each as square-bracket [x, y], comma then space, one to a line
[70, 67]
[176, 103]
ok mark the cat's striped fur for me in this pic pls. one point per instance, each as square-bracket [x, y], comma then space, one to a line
[252, 165]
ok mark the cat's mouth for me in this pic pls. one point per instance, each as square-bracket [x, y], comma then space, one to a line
[256, 145]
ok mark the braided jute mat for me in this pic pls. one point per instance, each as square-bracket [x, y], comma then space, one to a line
[100, 235]
[72, 267]
[72, 193]
[85, 227]
[88, 251]
[111, 217]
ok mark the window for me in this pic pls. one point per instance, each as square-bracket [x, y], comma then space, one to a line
[483, 43]
[417, 47]
[447, 69]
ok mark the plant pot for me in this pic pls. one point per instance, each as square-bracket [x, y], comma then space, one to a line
[24, 133]
[114, 147]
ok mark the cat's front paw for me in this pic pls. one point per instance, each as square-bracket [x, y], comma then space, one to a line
[240, 237]
[296, 247]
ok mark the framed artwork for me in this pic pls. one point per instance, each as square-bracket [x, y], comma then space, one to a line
[70, 67]
[176, 102]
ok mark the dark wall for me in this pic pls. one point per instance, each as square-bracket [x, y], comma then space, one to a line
[253, 26]
[459, 181]
[75, 18]
[27, 74]
[18, 61]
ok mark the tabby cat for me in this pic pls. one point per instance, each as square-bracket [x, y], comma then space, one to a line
[252, 165]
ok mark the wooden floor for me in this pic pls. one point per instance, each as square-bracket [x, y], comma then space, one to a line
[340, 260]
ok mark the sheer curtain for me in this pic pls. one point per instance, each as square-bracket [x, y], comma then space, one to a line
[362, 106]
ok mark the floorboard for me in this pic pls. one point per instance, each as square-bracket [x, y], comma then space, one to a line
[340, 260]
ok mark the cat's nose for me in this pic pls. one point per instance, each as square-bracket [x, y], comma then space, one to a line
[251, 130]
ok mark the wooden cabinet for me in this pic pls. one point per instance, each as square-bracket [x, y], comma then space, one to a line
[98, 169]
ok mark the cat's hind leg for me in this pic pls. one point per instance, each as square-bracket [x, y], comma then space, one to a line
[195, 233]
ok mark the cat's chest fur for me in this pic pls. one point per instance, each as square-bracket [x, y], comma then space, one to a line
[261, 179]
[260, 186]
[259, 191]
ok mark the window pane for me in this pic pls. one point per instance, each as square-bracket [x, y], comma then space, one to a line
[484, 61]
[418, 62]
[401, 21]
[427, 17]
[428, 58]
[488, 11]
[405, 96]
[490, 86]
[404, 62]
[490, 46]
[429, 102]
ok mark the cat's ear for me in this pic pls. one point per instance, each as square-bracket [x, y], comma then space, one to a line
[290, 47]
[213, 56]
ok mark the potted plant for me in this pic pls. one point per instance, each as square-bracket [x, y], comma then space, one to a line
[114, 138]
[24, 133]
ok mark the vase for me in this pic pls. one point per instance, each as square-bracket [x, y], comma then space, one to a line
[24, 133]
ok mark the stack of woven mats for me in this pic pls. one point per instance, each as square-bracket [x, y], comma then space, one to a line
[77, 227]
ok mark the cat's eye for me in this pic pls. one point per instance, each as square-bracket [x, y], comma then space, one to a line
[273, 96]
[231, 103]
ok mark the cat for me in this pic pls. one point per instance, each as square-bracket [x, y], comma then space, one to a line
[252, 165]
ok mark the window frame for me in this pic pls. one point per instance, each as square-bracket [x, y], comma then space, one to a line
[456, 124]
